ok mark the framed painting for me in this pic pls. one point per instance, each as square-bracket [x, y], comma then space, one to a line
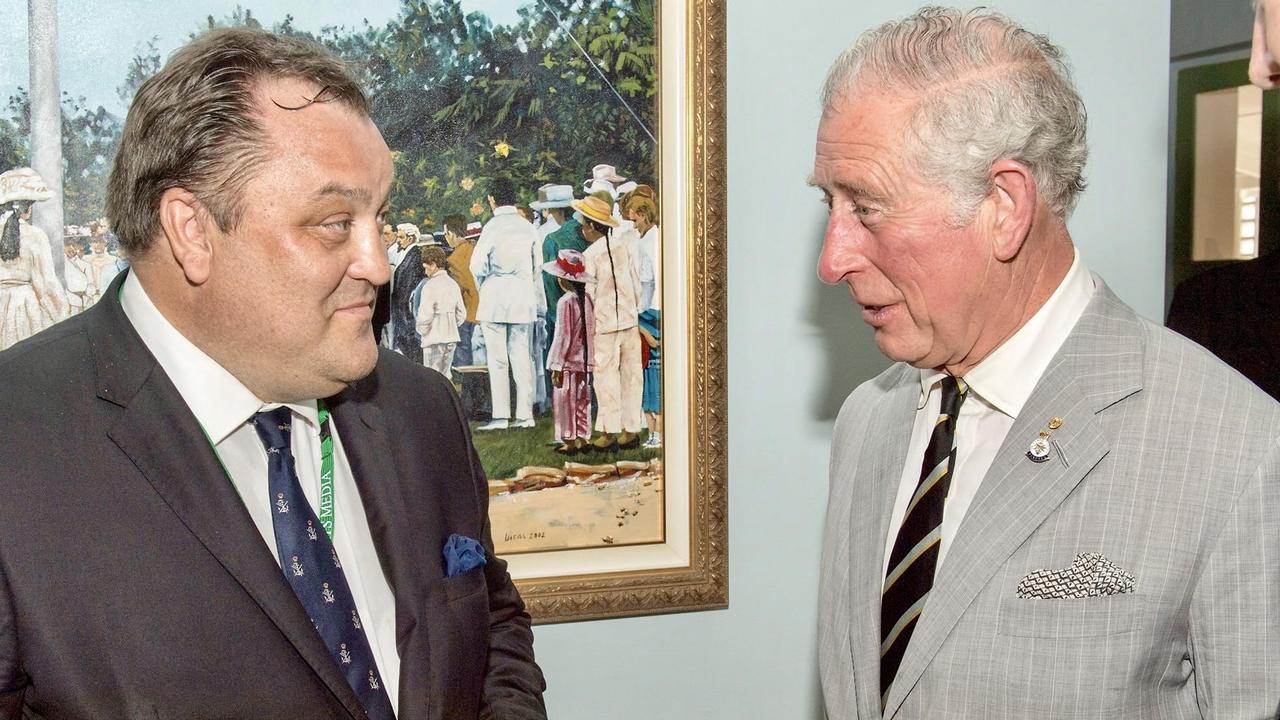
[591, 129]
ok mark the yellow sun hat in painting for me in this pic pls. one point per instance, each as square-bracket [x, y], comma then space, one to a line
[596, 210]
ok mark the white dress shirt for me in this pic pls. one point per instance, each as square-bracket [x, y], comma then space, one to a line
[998, 388]
[223, 406]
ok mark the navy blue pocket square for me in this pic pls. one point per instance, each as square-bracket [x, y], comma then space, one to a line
[462, 554]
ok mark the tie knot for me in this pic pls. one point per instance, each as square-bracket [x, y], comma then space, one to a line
[954, 391]
[273, 427]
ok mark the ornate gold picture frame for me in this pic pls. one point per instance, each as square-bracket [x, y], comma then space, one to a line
[689, 571]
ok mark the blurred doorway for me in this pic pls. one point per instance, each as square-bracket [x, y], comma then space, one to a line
[1226, 190]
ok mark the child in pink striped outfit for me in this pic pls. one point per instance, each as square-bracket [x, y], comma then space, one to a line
[570, 356]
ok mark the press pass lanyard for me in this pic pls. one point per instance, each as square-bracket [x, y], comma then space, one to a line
[326, 468]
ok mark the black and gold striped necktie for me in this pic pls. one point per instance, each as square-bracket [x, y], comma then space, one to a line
[915, 552]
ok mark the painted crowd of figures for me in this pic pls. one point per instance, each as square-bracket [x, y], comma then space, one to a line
[31, 296]
[558, 304]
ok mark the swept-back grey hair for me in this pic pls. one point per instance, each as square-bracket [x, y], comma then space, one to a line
[988, 90]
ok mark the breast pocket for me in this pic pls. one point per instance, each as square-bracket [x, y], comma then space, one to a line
[1070, 617]
[461, 587]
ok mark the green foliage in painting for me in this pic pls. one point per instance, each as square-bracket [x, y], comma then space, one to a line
[571, 84]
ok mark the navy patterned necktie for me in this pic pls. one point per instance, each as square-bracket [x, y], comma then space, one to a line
[313, 570]
[914, 558]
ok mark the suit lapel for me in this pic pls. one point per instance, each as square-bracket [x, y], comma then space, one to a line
[1098, 366]
[160, 435]
[879, 473]
[365, 441]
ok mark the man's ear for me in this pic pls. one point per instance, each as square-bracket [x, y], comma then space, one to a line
[187, 233]
[1013, 197]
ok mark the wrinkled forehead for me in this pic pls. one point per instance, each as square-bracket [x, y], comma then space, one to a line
[878, 117]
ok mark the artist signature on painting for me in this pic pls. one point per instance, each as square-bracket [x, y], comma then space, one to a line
[538, 535]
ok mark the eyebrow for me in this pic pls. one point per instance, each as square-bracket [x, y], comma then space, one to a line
[853, 189]
[346, 191]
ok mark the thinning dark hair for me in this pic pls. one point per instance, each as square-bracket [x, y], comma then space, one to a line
[196, 125]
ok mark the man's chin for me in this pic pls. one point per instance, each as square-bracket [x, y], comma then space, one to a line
[343, 369]
[894, 349]
[361, 362]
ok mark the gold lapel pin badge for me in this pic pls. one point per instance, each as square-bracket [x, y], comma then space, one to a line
[1038, 452]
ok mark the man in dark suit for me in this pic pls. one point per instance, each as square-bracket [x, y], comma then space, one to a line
[205, 513]
[406, 276]
[1231, 309]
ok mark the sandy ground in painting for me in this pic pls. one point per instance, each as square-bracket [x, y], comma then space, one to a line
[622, 512]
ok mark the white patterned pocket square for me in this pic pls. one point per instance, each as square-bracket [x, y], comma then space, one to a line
[1090, 575]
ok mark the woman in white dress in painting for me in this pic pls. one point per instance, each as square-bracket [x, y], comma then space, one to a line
[31, 298]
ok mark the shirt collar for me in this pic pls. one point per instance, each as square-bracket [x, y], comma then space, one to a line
[1006, 377]
[504, 210]
[220, 402]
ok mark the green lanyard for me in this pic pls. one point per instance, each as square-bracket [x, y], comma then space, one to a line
[326, 470]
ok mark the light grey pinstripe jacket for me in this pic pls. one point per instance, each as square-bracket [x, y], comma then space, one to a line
[1170, 467]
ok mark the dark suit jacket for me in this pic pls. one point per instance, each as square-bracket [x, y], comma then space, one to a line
[1231, 310]
[133, 582]
[408, 274]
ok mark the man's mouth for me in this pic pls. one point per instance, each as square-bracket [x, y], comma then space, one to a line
[365, 306]
[876, 315]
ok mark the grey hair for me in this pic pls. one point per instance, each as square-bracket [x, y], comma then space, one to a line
[989, 90]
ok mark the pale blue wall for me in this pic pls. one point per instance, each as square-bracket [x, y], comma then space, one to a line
[796, 348]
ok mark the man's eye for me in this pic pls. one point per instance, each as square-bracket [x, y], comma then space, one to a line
[864, 210]
[338, 226]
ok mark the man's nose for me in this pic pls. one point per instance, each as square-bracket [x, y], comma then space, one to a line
[840, 254]
[1263, 70]
[370, 262]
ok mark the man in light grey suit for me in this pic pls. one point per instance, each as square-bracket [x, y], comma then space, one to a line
[1049, 507]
